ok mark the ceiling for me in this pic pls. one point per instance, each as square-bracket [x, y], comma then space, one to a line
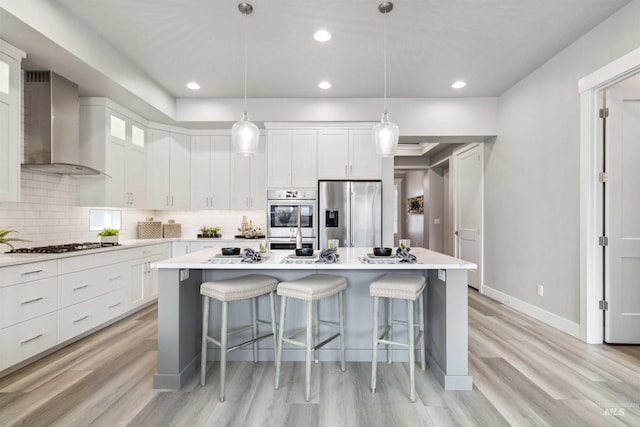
[491, 44]
[161, 45]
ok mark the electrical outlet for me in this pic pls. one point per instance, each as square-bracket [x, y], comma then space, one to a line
[442, 275]
[540, 290]
[184, 275]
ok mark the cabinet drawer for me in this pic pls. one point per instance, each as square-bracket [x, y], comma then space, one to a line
[89, 261]
[116, 303]
[79, 318]
[21, 341]
[27, 301]
[28, 272]
[86, 315]
[83, 285]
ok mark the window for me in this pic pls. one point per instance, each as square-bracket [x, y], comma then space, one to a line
[104, 218]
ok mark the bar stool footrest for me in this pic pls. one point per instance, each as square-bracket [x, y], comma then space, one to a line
[399, 344]
[325, 342]
[251, 341]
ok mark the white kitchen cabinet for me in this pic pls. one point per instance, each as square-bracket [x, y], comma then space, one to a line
[48, 303]
[347, 154]
[144, 283]
[10, 121]
[24, 340]
[168, 170]
[179, 249]
[249, 179]
[113, 140]
[291, 158]
[364, 162]
[25, 301]
[210, 165]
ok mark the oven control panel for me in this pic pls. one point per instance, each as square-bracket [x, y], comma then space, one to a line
[295, 194]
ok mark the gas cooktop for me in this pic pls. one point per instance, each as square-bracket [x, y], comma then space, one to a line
[60, 249]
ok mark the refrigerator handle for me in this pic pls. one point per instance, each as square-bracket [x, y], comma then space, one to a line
[351, 204]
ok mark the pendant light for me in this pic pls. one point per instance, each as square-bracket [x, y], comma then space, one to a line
[245, 134]
[386, 133]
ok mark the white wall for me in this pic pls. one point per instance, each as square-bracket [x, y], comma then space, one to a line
[532, 172]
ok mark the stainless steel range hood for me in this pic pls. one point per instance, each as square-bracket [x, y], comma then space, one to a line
[51, 125]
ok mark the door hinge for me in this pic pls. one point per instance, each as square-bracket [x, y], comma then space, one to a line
[603, 241]
[604, 113]
[603, 177]
[603, 305]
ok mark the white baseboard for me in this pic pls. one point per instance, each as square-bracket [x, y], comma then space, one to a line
[553, 320]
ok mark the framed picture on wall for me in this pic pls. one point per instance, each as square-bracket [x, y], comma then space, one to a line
[415, 205]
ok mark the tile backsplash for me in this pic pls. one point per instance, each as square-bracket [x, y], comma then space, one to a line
[49, 214]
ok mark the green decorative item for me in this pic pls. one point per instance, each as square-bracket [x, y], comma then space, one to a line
[109, 236]
[4, 232]
[209, 232]
[109, 232]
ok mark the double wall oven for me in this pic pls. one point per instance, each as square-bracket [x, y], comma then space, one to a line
[283, 207]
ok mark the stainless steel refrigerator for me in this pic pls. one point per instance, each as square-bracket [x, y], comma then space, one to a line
[350, 211]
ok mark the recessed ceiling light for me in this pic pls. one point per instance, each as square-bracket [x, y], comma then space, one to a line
[458, 85]
[324, 85]
[193, 85]
[322, 36]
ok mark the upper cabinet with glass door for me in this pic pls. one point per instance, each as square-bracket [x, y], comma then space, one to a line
[10, 123]
[113, 140]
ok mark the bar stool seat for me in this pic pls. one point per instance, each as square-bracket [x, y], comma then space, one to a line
[407, 287]
[312, 289]
[245, 287]
[238, 288]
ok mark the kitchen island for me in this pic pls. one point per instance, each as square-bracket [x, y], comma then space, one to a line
[180, 310]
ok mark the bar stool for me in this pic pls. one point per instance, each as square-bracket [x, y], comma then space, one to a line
[235, 289]
[311, 289]
[408, 287]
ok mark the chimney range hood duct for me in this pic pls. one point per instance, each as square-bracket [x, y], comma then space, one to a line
[51, 125]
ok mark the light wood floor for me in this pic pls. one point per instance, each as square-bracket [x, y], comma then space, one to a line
[524, 373]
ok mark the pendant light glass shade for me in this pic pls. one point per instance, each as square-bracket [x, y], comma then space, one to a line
[245, 136]
[385, 135]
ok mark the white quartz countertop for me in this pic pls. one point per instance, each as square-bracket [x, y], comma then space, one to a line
[350, 258]
[7, 260]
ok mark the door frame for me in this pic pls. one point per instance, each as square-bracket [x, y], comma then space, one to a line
[453, 185]
[590, 89]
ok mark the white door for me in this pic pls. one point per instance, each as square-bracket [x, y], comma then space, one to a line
[468, 209]
[622, 219]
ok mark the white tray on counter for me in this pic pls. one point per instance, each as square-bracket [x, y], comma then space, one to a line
[374, 259]
[300, 259]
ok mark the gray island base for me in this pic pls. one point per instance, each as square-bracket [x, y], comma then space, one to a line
[180, 311]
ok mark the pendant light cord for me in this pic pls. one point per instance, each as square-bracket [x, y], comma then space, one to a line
[245, 61]
[384, 43]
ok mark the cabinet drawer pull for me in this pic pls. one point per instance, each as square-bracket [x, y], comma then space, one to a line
[77, 288]
[26, 273]
[31, 339]
[111, 279]
[81, 319]
[31, 300]
[115, 305]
